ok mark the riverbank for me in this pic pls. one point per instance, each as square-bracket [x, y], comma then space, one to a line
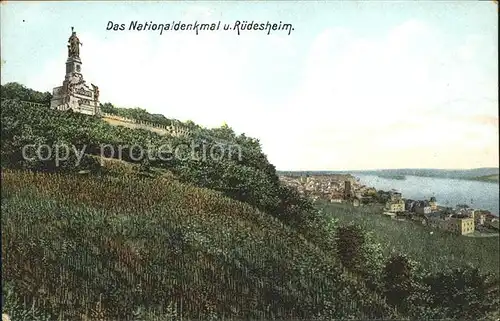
[487, 178]
[448, 192]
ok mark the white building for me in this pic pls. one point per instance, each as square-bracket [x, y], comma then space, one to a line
[75, 95]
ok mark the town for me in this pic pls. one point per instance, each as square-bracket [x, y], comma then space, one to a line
[345, 188]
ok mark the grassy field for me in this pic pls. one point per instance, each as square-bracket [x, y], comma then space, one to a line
[104, 247]
[436, 251]
[480, 234]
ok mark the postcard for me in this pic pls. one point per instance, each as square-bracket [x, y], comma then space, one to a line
[249, 160]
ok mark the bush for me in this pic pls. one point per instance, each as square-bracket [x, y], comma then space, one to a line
[14, 90]
[349, 241]
[397, 280]
[461, 293]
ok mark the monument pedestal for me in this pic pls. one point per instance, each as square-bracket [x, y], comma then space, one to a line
[75, 94]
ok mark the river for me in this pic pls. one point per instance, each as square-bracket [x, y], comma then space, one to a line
[448, 192]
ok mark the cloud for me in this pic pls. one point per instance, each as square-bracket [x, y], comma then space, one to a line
[364, 102]
[484, 120]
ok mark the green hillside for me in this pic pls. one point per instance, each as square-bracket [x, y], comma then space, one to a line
[195, 238]
[249, 178]
[138, 243]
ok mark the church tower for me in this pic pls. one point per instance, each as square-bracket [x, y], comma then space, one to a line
[347, 190]
[75, 95]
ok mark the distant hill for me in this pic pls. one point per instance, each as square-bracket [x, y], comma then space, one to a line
[444, 173]
[487, 178]
[484, 174]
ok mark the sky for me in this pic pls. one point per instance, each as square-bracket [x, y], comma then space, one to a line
[355, 85]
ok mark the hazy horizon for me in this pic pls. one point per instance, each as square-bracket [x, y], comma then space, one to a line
[389, 169]
[356, 85]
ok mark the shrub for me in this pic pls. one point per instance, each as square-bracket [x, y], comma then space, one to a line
[349, 241]
[397, 280]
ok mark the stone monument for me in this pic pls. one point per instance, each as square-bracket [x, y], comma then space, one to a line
[75, 95]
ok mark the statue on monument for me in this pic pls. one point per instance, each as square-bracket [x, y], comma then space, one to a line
[70, 90]
[74, 45]
[96, 92]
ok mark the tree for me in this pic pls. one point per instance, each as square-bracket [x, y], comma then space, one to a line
[224, 132]
[373, 262]
[14, 90]
[108, 108]
[382, 196]
[350, 240]
[462, 293]
[397, 280]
